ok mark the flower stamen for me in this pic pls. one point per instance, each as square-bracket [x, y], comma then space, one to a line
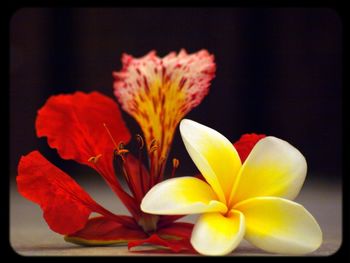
[110, 135]
[125, 170]
[153, 146]
[153, 155]
[162, 162]
[141, 144]
[140, 141]
[176, 164]
[121, 151]
[94, 159]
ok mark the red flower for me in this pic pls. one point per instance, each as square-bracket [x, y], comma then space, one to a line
[88, 128]
[74, 125]
[159, 92]
[246, 143]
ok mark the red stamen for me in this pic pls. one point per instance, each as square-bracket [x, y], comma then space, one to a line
[159, 176]
[141, 145]
[176, 164]
[153, 154]
[152, 170]
[121, 151]
[110, 135]
[132, 184]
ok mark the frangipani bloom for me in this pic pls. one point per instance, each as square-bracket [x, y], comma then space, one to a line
[88, 128]
[250, 200]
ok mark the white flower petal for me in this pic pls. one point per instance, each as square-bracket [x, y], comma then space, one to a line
[214, 156]
[181, 196]
[214, 234]
[273, 168]
[280, 226]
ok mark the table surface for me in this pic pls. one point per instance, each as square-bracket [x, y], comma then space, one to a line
[30, 235]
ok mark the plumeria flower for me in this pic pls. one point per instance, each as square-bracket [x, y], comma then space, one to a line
[248, 198]
[88, 128]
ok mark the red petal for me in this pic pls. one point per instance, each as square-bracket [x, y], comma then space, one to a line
[246, 143]
[103, 231]
[166, 220]
[182, 245]
[65, 204]
[200, 177]
[74, 125]
[178, 229]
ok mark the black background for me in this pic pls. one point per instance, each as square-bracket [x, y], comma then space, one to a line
[279, 71]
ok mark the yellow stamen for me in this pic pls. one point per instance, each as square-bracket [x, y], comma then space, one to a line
[94, 159]
[122, 151]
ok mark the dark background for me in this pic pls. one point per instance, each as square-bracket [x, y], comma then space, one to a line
[279, 71]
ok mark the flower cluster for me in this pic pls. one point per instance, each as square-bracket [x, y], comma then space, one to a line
[245, 191]
[89, 129]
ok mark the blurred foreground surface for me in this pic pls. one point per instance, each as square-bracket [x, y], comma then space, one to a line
[30, 235]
